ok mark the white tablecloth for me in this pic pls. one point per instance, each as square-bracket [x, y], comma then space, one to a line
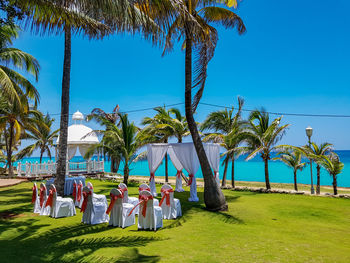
[68, 185]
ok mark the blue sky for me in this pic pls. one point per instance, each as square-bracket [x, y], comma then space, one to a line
[294, 58]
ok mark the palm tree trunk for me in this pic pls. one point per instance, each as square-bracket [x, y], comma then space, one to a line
[233, 171]
[213, 196]
[126, 173]
[267, 179]
[223, 182]
[41, 155]
[62, 156]
[318, 187]
[295, 181]
[9, 150]
[335, 190]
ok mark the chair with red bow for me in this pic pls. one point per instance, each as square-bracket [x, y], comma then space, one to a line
[60, 206]
[79, 194]
[171, 207]
[90, 186]
[121, 214]
[35, 199]
[145, 187]
[44, 210]
[94, 207]
[126, 198]
[150, 216]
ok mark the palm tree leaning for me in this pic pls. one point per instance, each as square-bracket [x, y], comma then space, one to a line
[334, 166]
[293, 159]
[316, 153]
[43, 137]
[123, 141]
[228, 132]
[15, 119]
[107, 120]
[200, 37]
[261, 138]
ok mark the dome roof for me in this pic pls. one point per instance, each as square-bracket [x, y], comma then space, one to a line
[79, 133]
[78, 116]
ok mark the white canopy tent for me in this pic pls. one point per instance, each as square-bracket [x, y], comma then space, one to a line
[183, 156]
[79, 136]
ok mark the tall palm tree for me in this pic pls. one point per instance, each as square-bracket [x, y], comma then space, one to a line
[228, 129]
[261, 138]
[15, 118]
[123, 141]
[108, 120]
[13, 85]
[316, 153]
[43, 137]
[334, 166]
[293, 159]
[195, 28]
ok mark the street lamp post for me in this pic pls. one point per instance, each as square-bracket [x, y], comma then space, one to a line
[309, 134]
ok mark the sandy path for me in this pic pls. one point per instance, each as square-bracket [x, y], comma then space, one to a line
[9, 182]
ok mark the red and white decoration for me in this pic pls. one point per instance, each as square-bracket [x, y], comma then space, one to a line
[171, 207]
[60, 207]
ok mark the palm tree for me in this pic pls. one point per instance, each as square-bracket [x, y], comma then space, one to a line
[261, 137]
[162, 127]
[15, 118]
[293, 159]
[228, 132]
[108, 120]
[334, 166]
[123, 141]
[43, 137]
[12, 84]
[194, 27]
[316, 153]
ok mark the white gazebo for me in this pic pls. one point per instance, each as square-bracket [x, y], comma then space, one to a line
[80, 137]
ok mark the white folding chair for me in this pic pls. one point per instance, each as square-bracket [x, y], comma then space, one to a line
[35, 200]
[171, 207]
[44, 210]
[79, 195]
[60, 207]
[126, 198]
[150, 216]
[94, 207]
[121, 214]
[145, 187]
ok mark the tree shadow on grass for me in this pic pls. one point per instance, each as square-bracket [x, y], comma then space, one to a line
[54, 244]
[130, 256]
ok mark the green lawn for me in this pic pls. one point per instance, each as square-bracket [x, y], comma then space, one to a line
[257, 228]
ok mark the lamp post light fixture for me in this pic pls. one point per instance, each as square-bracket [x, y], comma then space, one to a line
[309, 134]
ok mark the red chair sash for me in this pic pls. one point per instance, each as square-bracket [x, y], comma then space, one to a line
[34, 194]
[123, 190]
[166, 194]
[178, 174]
[74, 191]
[143, 189]
[42, 196]
[151, 177]
[190, 179]
[79, 192]
[113, 199]
[50, 198]
[143, 199]
[85, 200]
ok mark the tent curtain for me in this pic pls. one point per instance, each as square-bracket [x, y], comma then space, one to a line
[72, 149]
[177, 164]
[212, 150]
[83, 149]
[155, 155]
[186, 154]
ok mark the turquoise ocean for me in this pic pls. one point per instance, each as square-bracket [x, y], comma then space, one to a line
[252, 170]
